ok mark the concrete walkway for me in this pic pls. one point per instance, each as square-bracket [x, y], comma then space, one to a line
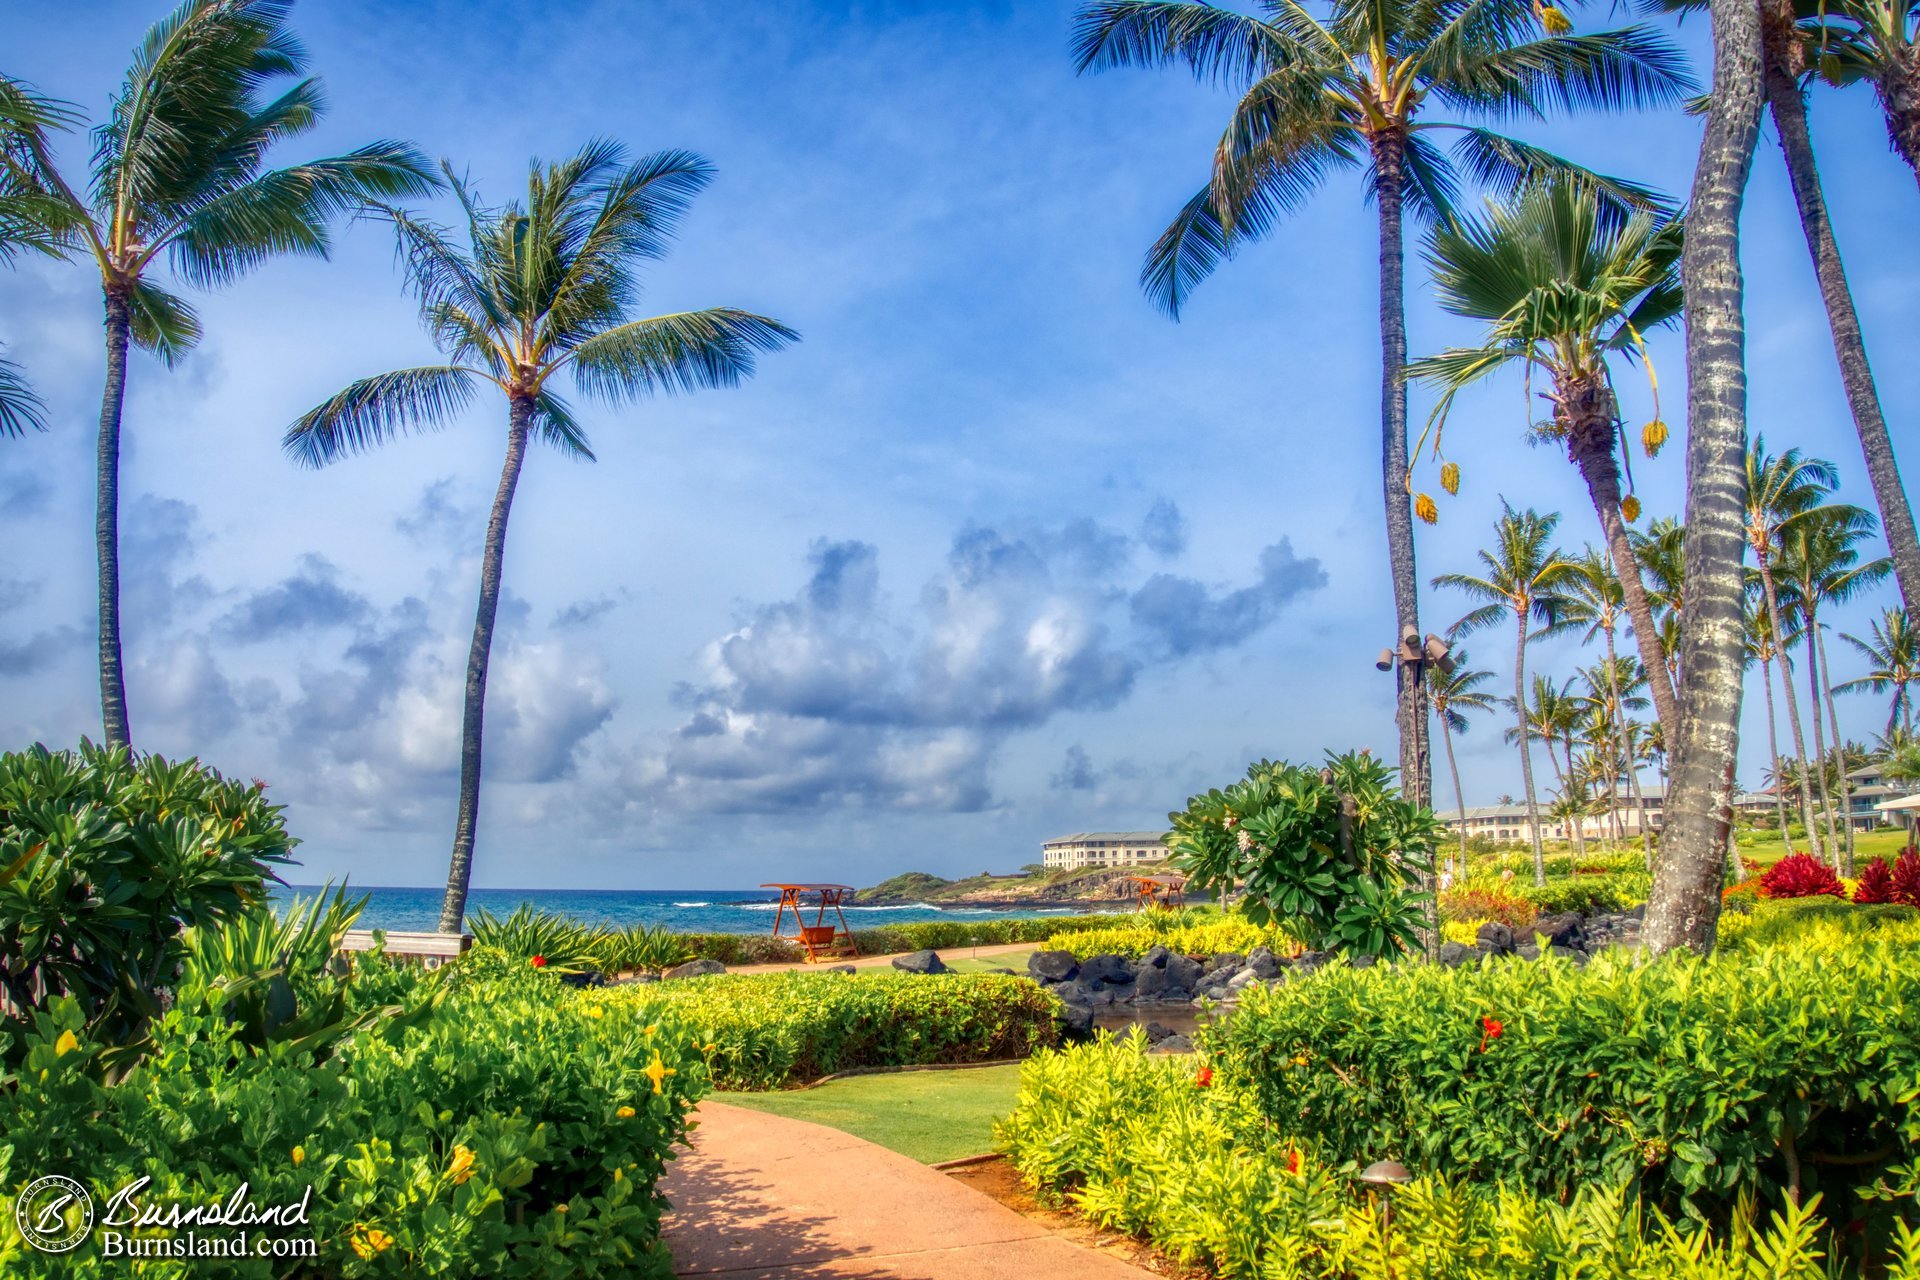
[761, 1197]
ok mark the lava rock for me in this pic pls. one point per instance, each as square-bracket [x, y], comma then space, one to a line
[1076, 1019]
[1364, 962]
[1495, 938]
[1454, 954]
[1308, 961]
[1156, 957]
[1562, 930]
[1154, 984]
[697, 969]
[1242, 980]
[638, 977]
[1157, 1031]
[1053, 966]
[1173, 1044]
[1527, 951]
[922, 962]
[841, 968]
[1262, 963]
[1231, 960]
[1113, 969]
[1183, 971]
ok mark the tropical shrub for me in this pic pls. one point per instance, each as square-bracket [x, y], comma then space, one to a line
[512, 1133]
[560, 944]
[743, 948]
[1588, 894]
[1791, 1066]
[1141, 1146]
[104, 859]
[1800, 875]
[1200, 940]
[1487, 902]
[1335, 851]
[1819, 921]
[1876, 883]
[1905, 885]
[767, 1031]
[640, 948]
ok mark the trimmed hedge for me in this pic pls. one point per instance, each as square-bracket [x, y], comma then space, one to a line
[923, 935]
[512, 1134]
[768, 1031]
[1151, 1147]
[1193, 940]
[1702, 1080]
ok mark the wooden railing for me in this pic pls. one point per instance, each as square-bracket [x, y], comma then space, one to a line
[429, 950]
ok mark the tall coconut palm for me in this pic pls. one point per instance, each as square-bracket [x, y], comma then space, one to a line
[1617, 687]
[1561, 290]
[1661, 553]
[544, 288]
[1845, 41]
[1550, 715]
[1523, 575]
[1820, 564]
[1452, 696]
[1764, 647]
[1358, 88]
[1892, 652]
[1683, 909]
[179, 176]
[1782, 494]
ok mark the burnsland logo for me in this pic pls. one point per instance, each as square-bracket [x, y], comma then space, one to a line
[54, 1213]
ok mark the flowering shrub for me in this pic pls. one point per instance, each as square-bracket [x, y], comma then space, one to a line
[511, 1134]
[1129, 1140]
[1195, 940]
[1800, 875]
[1335, 853]
[1480, 902]
[766, 1031]
[1701, 1080]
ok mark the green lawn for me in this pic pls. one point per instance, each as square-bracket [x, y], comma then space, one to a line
[1867, 844]
[958, 960]
[928, 1115]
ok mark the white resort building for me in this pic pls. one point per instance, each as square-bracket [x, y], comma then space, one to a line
[1102, 849]
[1507, 823]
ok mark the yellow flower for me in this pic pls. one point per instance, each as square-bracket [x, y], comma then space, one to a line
[299, 1154]
[1450, 477]
[1299, 1059]
[1653, 436]
[560, 1208]
[462, 1166]
[597, 1012]
[1556, 22]
[626, 1113]
[1630, 508]
[66, 1044]
[1424, 507]
[658, 1071]
[367, 1241]
[652, 1029]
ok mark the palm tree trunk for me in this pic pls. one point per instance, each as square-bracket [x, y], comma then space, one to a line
[1793, 709]
[1684, 907]
[1526, 748]
[1820, 746]
[106, 520]
[1773, 749]
[1627, 763]
[1788, 102]
[1590, 414]
[1899, 87]
[1389, 164]
[453, 908]
[1459, 796]
[1840, 756]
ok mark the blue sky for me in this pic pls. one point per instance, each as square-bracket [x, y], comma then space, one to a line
[994, 554]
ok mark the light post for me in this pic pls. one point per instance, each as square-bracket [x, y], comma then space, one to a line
[1385, 1175]
[1409, 662]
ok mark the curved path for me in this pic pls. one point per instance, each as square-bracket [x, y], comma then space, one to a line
[761, 1197]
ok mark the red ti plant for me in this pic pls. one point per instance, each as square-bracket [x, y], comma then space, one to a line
[1801, 875]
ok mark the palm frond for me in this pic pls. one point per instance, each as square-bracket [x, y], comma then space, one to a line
[20, 409]
[686, 351]
[1506, 166]
[163, 323]
[1632, 68]
[556, 425]
[1218, 45]
[372, 411]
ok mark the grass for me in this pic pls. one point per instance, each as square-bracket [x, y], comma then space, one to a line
[960, 962]
[1768, 848]
[929, 1116]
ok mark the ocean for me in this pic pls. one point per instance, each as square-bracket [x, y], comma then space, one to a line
[680, 910]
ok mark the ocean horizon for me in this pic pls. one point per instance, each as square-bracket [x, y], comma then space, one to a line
[407, 908]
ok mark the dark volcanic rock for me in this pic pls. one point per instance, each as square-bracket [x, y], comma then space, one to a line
[1182, 971]
[1076, 1019]
[1113, 969]
[924, 962]
[1561, 930]
[1052, 966]
[1156, 957]
[1173, 1044]
[1263, 962]
[1453, 954]
[1364, 962]
[1495, 938]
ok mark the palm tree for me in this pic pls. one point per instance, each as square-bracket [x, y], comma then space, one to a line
[1452, 695]
[1893, 666]
[1820, 563]
[20, 408]
[544, 288]
[1661, 554]
[29, 220]
[178, 172]
[1683, 909]
[1353, 90]
[1551, 716]
[1781, 494]
[1845, 41]
[1523, 576]
[1616, 686]
[1561, 290]
[1762, 646]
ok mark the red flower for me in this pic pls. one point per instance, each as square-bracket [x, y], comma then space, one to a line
[1294, 1162]
[1203, 1078]
[539, 962]
[1491, 1029]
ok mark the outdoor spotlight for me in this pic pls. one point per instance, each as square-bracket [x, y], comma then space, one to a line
[1437, 648]
[1410, 640]
[1385, 660]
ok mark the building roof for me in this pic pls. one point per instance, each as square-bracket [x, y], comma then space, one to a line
[1488, 811]
[1123, 837]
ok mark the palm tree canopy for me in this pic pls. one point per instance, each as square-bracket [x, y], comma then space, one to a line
[1524, 573]
[1552, 710]
[1455, 693]
[1892, 652]
[179, 167]
[1592, 601]
[1317, 92]
[1819, 561]
[1783, 491]
[540, 287]
[1558, 286]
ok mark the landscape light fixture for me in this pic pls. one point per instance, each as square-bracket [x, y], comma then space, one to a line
[1385, 1175]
